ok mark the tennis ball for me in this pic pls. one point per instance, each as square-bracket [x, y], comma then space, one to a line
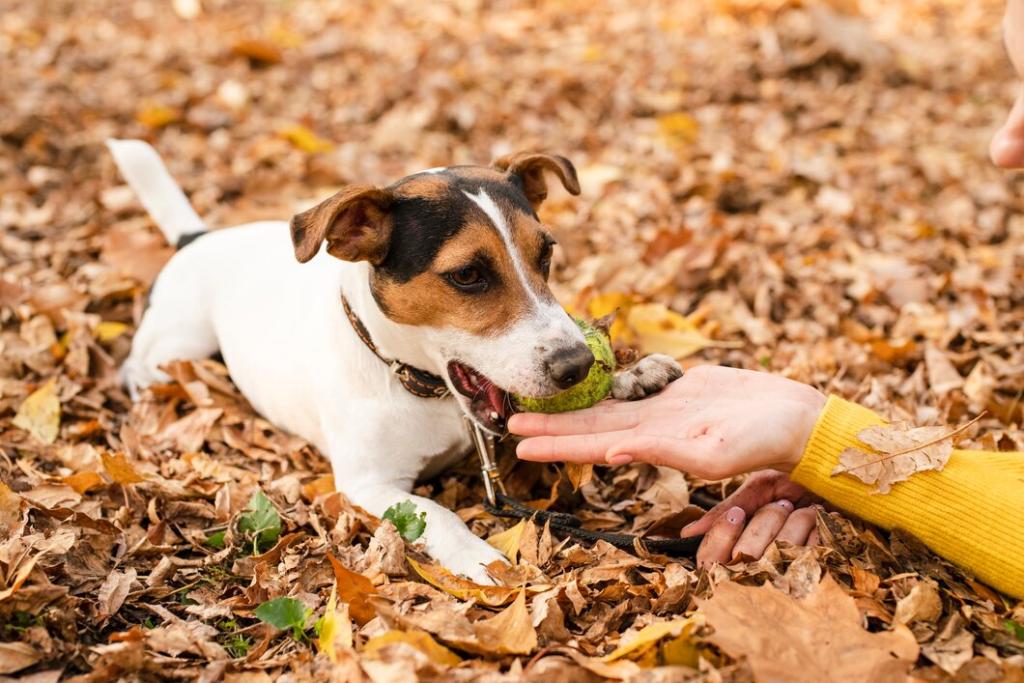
[596, 386]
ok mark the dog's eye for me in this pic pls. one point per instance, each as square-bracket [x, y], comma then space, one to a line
[545, 257]
[469, 278]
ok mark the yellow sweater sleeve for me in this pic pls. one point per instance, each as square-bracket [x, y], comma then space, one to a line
[971, 513]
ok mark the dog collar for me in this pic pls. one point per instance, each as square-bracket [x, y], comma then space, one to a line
[416, 381]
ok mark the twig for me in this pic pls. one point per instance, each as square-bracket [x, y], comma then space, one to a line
[918, 447]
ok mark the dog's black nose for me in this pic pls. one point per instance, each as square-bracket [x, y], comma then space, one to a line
[568, 367]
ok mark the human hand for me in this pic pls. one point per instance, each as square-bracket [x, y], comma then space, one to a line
[714, 422]
[767, 507]
[1007, 147]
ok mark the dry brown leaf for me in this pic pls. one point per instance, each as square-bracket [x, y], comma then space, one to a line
[111, 595]
[813, 640]
[39, 414]
[899, 451]
[922, 603]
[510, 632]
[17, 656]
[10, 509]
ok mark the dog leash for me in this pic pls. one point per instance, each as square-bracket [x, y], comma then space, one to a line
[416, 381]
[500, 504]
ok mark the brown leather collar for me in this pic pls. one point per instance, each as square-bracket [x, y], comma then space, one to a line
[417, 382]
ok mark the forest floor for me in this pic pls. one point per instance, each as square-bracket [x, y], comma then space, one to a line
[806, 183]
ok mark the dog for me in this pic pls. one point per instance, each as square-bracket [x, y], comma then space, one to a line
[373, 322]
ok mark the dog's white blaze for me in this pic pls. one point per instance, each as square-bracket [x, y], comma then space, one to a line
[487, 205]
[436, 169]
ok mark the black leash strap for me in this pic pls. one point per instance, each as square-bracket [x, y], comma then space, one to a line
[569, 525]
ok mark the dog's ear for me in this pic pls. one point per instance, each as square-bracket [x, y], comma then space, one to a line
[355, 223]
[530, 167]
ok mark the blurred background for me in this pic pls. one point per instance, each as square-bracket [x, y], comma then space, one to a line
[797, 186]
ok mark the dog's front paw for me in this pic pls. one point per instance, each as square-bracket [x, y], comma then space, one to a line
[649, 376]
[470, 561]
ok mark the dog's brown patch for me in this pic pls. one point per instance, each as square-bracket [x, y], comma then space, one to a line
[430, 299]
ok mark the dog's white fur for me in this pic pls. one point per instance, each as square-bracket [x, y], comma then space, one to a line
[292, 352]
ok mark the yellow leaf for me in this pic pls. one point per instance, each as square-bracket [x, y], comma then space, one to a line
[39, 414]
[157, 115]
[679, 128]
[661, 330]
[318, 487]
[649, 635]
[335, 629]
[305, 139]
[420, 640]
[83, 482]
[608, 303]
[508, 541]
[109, 330]
[119, 469]
[464, 589]
[681, 651]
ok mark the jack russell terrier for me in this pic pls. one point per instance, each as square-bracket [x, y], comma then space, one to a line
[375, 320]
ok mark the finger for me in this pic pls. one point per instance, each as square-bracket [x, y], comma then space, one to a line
[718, 543]
[814, 538]
[762, 529]
[798, 526]
[606, 416]
[755, 493]
[581, 448]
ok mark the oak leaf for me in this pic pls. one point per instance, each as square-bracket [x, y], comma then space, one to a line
[354, 589]
[812, 640]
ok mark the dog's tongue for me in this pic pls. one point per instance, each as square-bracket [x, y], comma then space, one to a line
[496, 397]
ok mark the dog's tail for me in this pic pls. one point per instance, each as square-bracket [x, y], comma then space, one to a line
[142, 168]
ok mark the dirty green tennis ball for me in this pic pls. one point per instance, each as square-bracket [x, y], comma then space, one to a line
[595, 387]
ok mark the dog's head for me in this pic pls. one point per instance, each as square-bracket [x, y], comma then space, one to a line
[461, 253]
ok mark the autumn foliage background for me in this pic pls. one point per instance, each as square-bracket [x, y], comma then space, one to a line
[800, 187]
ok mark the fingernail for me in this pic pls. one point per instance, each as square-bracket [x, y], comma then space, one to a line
[785, 505]
[619, 459]
[735, 515]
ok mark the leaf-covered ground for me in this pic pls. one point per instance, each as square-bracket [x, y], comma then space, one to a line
[805, 182]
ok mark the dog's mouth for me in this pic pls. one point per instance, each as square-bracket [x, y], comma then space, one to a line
[489, 404]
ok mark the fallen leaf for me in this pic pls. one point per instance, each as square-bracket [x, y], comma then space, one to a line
[17, 656]
[83, 482]
[112, 593]
[108, 331]
[354, 589]
[579, 475]
[157, 115]
[942, 374]
[120, 469]
[813, 640]
[922, 603]
[507, 541]
[462, 588]
[650, 635]
[420, 640]
[658, 329]
[335, 628]
[261, 51]
[510, 632]
[899, 451]
[39, 414]
[10, 509]
[679, 128]
[305, 139]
